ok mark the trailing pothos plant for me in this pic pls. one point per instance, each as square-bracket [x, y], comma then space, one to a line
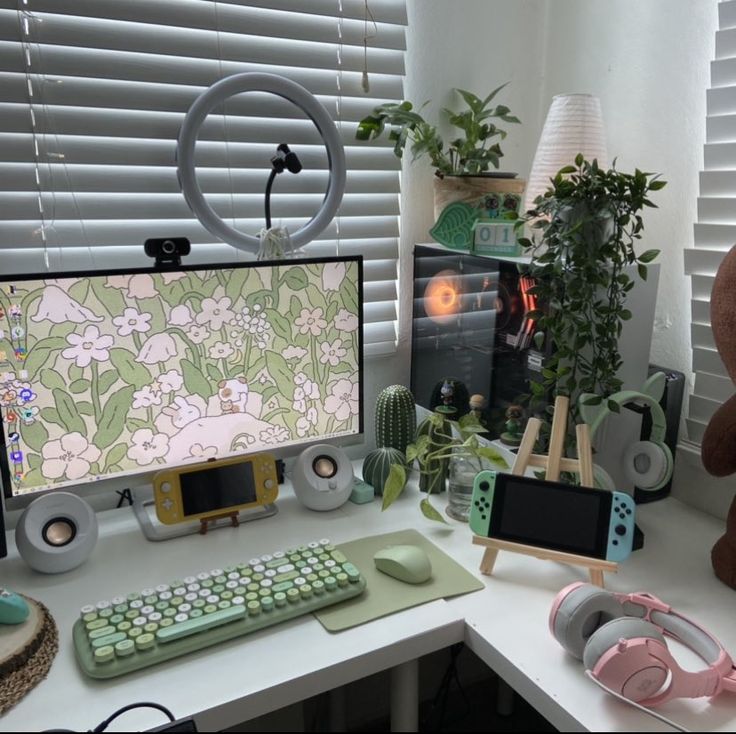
[585, 228]
[461, 442]
[471, 153]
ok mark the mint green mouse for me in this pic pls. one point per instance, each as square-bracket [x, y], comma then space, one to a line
[407, 563]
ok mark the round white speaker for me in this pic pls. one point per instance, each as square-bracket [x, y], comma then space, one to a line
[56, 532]
[323, 477]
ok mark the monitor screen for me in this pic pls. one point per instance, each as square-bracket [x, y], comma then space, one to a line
[128, 372]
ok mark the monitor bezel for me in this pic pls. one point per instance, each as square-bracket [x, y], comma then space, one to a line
[88, 486]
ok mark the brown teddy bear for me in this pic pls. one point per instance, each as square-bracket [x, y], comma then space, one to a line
[719, 442]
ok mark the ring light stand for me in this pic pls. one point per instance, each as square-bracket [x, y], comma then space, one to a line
[294, 93]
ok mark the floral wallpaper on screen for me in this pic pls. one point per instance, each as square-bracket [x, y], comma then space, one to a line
[119, 374]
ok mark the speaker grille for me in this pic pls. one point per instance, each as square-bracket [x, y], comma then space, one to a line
[59, 531]
[324, 466]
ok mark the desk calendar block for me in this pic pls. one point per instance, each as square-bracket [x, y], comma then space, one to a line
[495, 238]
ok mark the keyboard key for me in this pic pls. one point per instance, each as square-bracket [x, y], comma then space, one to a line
[205, 622]
[99, 632]
[108, 640]
[124, 648]
[104, 654]
[145, 641]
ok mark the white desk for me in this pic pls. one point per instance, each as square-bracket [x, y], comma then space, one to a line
[506, 624]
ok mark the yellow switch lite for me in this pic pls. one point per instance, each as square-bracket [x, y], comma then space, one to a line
[215, 488]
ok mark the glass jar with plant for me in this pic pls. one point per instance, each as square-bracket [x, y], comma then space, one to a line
[458, 444]
[583, 252]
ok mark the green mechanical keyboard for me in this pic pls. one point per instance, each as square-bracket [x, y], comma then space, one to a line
[130, 632]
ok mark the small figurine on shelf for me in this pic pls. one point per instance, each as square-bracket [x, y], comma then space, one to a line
[514, 426]
[450, 393]
[447, 394]
[478, 404]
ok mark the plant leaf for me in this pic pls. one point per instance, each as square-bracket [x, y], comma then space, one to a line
[488, 452]
[34, 435]
[194, 381]
[114, 413]
[648, 256]
[115, 455]
[130, 371]
[394, 485]
[430, 512]
[67, 410]
[39, 354]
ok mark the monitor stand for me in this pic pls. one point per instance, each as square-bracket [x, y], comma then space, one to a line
[155, 530]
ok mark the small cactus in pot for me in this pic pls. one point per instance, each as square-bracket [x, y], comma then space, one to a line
[396, 421]
[377, 465]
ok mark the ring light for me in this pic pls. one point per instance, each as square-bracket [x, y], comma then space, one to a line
[294, 93]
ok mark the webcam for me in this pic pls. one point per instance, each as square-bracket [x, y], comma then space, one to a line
[168, 251]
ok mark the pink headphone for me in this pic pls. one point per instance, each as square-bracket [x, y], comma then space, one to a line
[619, 638]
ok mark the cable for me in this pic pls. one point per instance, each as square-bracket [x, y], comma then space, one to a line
[636, 705]
[144, 704]
[443, 692]
[269, 184]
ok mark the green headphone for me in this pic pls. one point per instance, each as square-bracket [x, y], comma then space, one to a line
[648, 464]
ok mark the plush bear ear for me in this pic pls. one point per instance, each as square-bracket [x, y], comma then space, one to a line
[723, 311]
[719, 442]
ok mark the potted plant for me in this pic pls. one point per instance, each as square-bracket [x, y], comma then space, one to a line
[459, 443]
[470, 155]
[583, 260]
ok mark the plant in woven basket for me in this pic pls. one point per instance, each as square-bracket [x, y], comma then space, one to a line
[460, 439]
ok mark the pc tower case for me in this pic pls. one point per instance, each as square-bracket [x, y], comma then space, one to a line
[470, 323]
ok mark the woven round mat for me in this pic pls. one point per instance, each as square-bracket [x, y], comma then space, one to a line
[29, 664]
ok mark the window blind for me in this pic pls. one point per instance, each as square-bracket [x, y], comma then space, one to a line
[715, 230]
[94, 93]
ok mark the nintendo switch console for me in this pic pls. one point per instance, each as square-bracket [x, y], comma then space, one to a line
[580, 520]
[206, 491]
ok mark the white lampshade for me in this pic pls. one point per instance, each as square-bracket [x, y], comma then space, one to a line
[574, 125]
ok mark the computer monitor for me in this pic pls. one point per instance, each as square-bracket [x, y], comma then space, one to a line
[119, 374]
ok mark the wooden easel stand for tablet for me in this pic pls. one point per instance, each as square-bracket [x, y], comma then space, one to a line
[553, 464]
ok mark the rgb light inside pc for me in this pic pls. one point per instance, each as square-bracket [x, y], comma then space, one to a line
[471, 323]
[125, 373]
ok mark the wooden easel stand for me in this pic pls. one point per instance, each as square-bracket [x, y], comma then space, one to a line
[553, 464]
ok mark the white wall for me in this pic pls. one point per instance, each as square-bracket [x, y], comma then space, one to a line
[648, 62]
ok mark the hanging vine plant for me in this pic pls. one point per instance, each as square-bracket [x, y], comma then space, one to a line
[585, 228]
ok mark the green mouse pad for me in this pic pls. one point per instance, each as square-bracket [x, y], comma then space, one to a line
[385, 595]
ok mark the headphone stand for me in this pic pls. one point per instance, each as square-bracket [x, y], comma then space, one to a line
[553, 463]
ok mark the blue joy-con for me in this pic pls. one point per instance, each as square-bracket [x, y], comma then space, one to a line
[13, 607]
[481, 502]
[621, 527]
